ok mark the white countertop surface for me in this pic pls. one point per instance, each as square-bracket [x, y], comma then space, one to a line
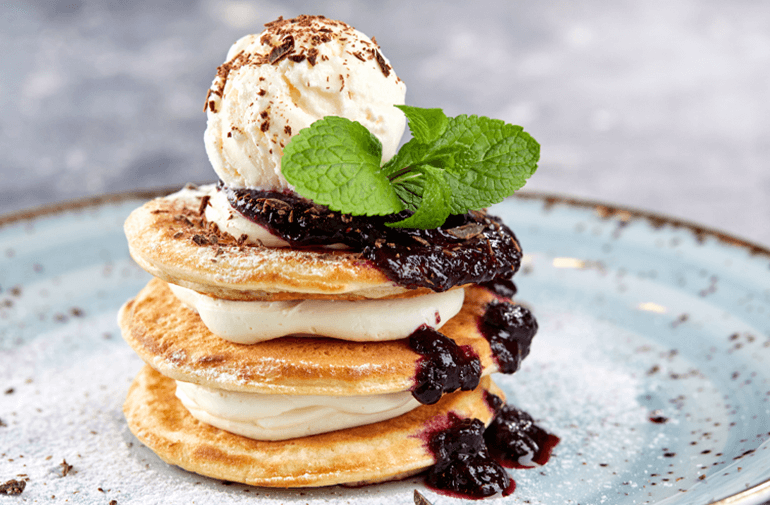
[657, 105]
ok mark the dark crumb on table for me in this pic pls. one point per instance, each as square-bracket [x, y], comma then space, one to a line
[113, 502]
[13, 487]
[9, 391]
[65, 468]
[2, 424]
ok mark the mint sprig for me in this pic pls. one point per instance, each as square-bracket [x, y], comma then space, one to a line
[450, 166]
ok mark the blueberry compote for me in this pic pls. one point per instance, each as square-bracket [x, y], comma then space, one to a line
[514, 439]
[443, 367]
[468, 248]
[502, 288]
[470, 458]
[509, 329]
[464, 467]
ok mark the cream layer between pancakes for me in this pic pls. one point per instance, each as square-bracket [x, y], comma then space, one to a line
[282, 417]
[246, 322]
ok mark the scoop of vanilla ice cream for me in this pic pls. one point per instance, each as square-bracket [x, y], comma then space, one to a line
[296, 72]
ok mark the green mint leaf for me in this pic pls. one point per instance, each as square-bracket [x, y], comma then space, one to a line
[336, 162]
[450, 166]
[409, 186]
[426, 125]
[498, 160]
[435, 201]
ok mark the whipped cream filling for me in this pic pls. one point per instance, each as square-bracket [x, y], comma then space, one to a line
[249, 322]
[281, 417]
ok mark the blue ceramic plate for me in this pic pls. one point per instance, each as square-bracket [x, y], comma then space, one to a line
[652, 363]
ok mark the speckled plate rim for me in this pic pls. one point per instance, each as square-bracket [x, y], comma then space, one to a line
[755, 495]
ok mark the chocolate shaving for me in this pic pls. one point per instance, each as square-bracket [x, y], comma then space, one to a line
[183, 219]
[282, 51]
[381, 62]
[13, 487]
[200, 240]
[312, 54]
[296, 58]
[204, 202]
[274, 203]
[207, 103]
[466, 231]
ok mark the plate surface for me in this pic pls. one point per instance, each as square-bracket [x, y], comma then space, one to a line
[652, 363]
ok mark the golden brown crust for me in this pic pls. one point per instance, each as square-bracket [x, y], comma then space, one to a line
[172, 339]
[167, 238]
[374, 453]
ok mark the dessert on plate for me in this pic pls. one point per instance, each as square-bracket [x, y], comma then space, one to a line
[332, 310]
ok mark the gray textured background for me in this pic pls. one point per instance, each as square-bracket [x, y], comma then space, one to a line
[658, 105]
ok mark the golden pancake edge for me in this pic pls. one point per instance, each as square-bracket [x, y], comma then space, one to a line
[173, 340]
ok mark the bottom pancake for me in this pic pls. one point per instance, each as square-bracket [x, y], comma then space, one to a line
[378, 452]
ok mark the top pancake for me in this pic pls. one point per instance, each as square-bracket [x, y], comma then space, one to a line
[170, 238]
[172, 339]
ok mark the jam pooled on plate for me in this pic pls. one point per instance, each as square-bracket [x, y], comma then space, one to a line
[464, 467]
[514, 439]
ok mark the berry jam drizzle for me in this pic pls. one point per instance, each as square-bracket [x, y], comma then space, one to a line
[468, 248]
[502, 288]
[443, 367]
[470, 458]
[514, 439]
[509, 329]
[464, 467]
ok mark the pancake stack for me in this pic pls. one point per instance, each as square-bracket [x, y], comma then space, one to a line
[312, 365]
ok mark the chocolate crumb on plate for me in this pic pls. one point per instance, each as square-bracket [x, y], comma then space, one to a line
[65, 468]
[13, 487]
